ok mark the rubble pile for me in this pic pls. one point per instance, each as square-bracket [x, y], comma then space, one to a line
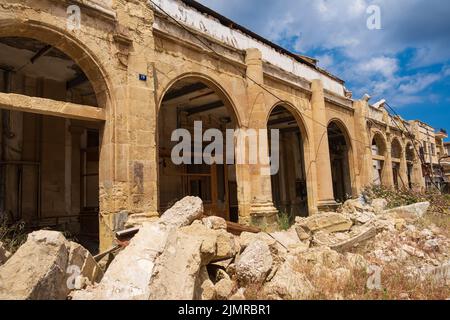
[185, 256]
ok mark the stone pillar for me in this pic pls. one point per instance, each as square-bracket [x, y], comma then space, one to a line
[404, 169]
[418, 179]
[388, 175]
[128, 158]
[321, 150]
[262, 211]
[364, 145]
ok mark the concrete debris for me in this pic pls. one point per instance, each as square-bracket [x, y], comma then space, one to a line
[183, 213]
[379, 205]
[224, 288]
[47, 267]
[411, 212]
[216, 223]
[238, 295]
[329, 222]
[356, 206]
[4, 254]
[343, 242]
[287, 238]
[90, 271]
[254, 264]
[177, 268]
[289, 283]
[208, 290]
[184, 256]
[129, 274]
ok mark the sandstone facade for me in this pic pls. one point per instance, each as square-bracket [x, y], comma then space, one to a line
[140, 65]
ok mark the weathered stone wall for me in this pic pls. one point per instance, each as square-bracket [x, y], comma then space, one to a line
[117, 43]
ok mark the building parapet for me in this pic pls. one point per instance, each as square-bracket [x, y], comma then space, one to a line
[212, 24]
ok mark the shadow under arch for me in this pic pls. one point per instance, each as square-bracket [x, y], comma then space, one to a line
[379, 153]
[209, 82]
[292, 186]
[341, 159]
[69, 45]
[100, 134]
[185, 100]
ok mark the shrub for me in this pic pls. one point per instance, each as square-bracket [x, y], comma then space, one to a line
[403, 197]
[285, 220]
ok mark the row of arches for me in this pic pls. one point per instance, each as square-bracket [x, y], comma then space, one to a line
[189, 99]
[197, 98]
[401, 158]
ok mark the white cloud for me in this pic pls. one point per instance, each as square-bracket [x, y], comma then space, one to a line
[381, 65]
[419, 83]
[368, 59]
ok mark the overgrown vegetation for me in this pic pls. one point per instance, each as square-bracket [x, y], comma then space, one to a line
[395, 285]
[12, 235]
[402, 197]
[285, 220]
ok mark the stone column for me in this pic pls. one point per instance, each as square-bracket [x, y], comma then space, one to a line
[388, 175]
[321, 150]
[262, 211]
[418, 179]
[404, 169]
[364, 145]
[128, 159]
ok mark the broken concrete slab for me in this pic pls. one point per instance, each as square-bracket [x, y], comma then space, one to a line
[254, 264]
[129, 274]
[328, 222]
[224, 288]
[183, 213]
[87, 266]
[286, 238]
[248, 237]
[4, 254]
[37, 271]
[345, 241]
[208, 291]
[177, 268]
[217, 245]
[411, 212]
[288, 283]
[215, 223]
[379, 205]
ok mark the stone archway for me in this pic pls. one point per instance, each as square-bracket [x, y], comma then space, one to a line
[291, 193]
[340, 159]
[194, 103]
[79, 79]
[378, 148]
[396, 156]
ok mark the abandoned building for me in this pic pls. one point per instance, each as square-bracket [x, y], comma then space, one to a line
[87, 114]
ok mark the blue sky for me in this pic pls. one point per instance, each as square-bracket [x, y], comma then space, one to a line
[406, 62]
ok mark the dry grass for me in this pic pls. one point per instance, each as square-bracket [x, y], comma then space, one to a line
[395, 285]
[12, 235]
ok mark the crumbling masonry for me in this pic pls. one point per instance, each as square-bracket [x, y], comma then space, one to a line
[87, 115]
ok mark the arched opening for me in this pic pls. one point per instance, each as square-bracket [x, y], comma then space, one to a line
[198, 107]
[410, 156]
[289, 187]
[396, 154]
[378, 158]
[49, 167]
[339, 158]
